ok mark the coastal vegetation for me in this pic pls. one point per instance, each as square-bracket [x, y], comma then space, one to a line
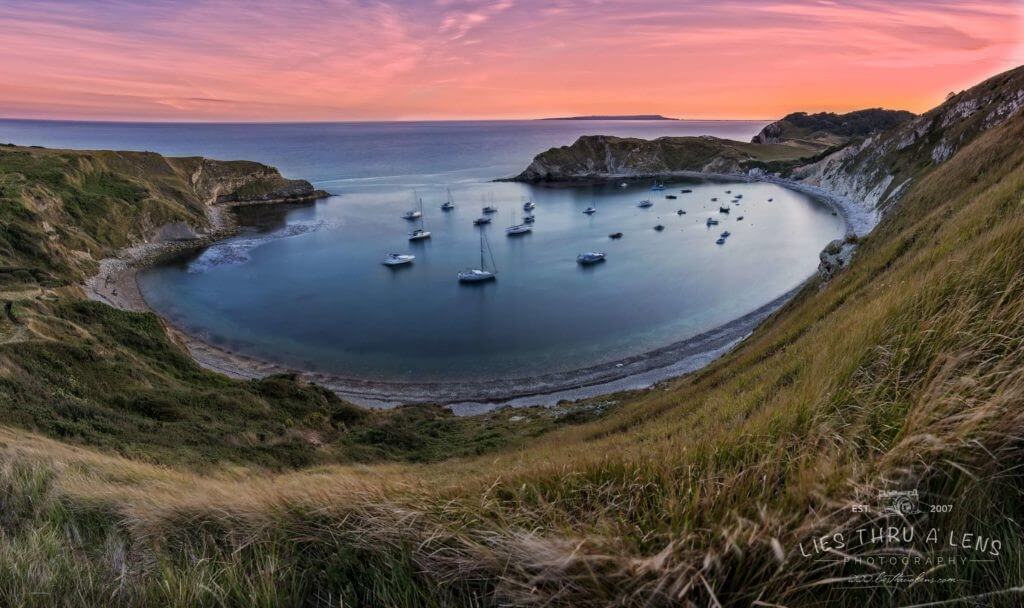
[902, 372]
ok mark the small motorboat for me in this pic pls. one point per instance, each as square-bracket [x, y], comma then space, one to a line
[480, 221]
[712, 221]
[725, 234]
[739, 196]
[680, 212]
[529, 206]
[398, 259]
[771, 199]
[645, 204]
[720, 241]
[714, 199]
[414, 214]
[659, 227]
[529, 219]
[723, 210]
[686, 191]
[489, 209]
[623, 185]
[590, 211]
[615, 235]
[739, 218]
[671, 196]
[728, 191]
[657, 187]
[517, 230]
[590, 257]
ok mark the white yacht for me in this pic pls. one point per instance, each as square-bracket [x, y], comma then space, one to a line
[590, 210]
[529, 206]
[480, 221]
[481, 274]
[412, 214]
[489, 209]
[590, 257]
[398, 259]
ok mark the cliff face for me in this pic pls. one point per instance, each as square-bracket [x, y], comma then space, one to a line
[874, 172]
[62, 210]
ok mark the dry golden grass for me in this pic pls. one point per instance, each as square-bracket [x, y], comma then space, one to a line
[905, 371]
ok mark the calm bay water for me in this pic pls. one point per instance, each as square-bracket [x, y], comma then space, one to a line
[305, 287]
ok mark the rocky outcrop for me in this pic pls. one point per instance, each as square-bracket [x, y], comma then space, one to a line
[835, 257]
[216, 182]
[51, 237]
[603, 156]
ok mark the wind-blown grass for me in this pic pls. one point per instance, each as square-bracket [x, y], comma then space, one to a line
[905, 371]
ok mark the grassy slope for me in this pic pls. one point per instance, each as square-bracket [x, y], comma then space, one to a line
[62, 210]
[904, 371]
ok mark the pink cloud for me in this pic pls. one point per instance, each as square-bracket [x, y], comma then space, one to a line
[380, 59]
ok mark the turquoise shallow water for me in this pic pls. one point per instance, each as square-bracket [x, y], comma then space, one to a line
[305, 287]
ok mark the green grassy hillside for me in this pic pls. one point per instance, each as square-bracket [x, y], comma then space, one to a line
[903, 372]
[827, 129]
[62, 210]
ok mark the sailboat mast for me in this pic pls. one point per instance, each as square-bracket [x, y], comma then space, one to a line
[482, 266]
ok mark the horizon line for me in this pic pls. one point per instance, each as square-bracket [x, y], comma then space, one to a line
[358, 121]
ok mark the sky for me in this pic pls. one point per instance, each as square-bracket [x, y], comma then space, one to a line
[306, 60]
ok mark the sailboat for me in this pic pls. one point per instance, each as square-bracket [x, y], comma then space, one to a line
[517, 229]
[448, 204]
[419, 234]
[414, 214]
[591, 210]
[479, 275]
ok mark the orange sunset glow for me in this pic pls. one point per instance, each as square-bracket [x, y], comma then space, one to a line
[450, 59]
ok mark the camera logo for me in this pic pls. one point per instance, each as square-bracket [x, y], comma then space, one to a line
[900, 502]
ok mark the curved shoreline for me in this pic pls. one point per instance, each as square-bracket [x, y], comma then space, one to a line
[116, 284]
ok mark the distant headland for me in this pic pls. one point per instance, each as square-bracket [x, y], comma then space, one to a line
[614, 117]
